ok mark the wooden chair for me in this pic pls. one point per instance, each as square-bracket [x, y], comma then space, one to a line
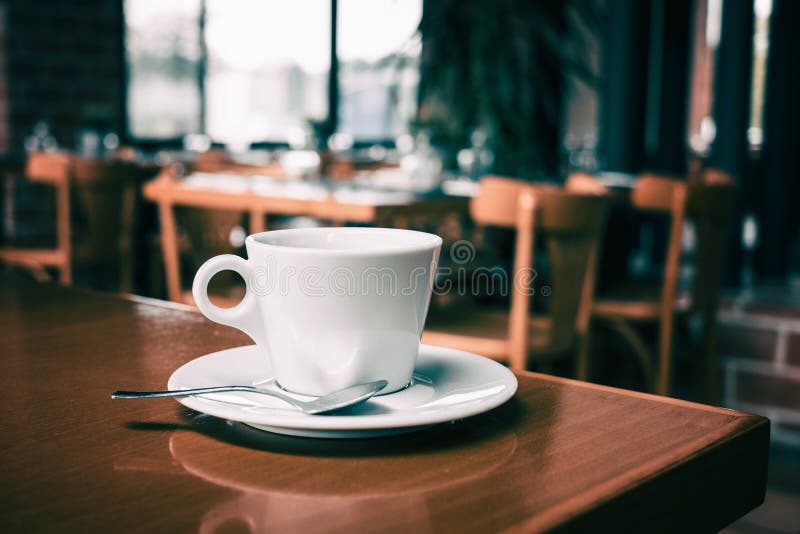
[192, 235]
[569, 226]
[710, 202]
[104, 208]
[54, 169]
[100, 196]
[707, 202]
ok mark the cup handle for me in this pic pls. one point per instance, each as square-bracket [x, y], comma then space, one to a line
[246, 316]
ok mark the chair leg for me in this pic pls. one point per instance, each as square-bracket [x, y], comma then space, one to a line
[665, 356]
[640, 350]
[65, 273]
[712, 377]
[257, 221]
[582, 364]
[36, 270]
[126, 239]
[518, 357]
[169, 246]
[64, 232]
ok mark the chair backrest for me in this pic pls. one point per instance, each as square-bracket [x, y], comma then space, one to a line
[55, 168]
[105, 192]
[706, 199]
[658, 193]
[570, 225]
[558, 210]
[582, 182]
[48, 167]
[711, 195]
[497, 201]
[710, 202]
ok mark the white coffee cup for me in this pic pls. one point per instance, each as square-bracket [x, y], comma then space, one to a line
[331, 307]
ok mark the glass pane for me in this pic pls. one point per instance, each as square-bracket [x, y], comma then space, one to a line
[268, 63]
[378, 50]
[163, 51]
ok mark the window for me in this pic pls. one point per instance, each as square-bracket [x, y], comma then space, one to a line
[268, 63]
[702, 128]
[259, 70]
[163, 48]
[378, 55]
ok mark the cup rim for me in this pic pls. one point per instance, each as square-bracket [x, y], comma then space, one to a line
[427, 241]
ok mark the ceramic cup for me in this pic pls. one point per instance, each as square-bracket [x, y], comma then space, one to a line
[331, 307]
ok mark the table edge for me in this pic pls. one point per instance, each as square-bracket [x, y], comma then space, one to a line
[585, 503]
[642, 395]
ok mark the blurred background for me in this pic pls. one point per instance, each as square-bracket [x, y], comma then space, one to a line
[140, 137]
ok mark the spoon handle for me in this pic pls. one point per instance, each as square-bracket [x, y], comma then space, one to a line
[178, 392]
[198, 391]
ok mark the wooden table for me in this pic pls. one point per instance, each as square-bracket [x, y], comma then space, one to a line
[169, 192]
[561, 455]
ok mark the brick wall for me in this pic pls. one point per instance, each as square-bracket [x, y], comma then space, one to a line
[64, 64]
[760, 354]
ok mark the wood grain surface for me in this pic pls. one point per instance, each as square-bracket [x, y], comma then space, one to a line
[561, 455]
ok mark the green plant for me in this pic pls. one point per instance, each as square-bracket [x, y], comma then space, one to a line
[503, 65]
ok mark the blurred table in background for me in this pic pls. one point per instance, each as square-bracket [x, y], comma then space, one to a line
[259, 196]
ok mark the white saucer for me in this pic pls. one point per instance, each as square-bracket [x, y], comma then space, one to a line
[448, 385]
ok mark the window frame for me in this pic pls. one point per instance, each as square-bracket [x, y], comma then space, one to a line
[329, 124]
